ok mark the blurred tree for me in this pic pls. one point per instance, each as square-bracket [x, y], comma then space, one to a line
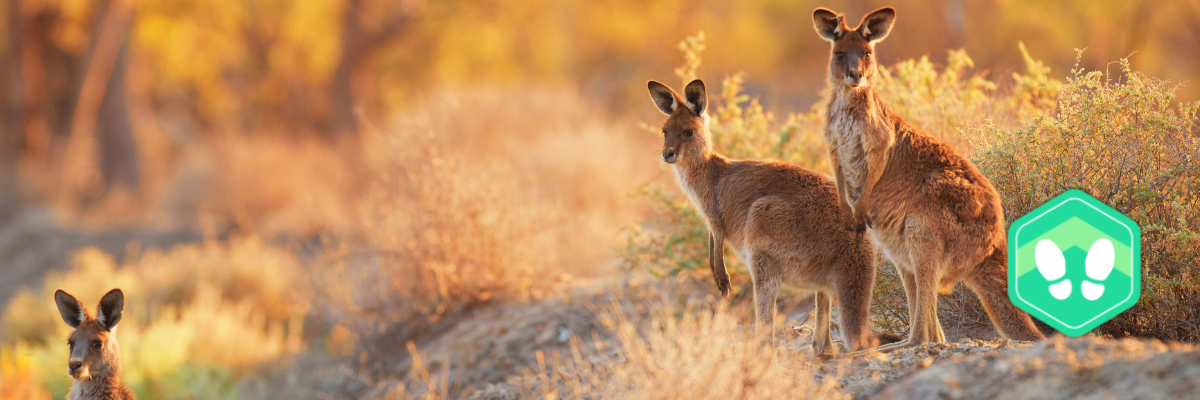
[359, 43]
[64, 94]
[100, 126]
[10, 115]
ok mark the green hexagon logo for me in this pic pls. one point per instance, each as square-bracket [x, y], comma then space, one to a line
[1074, 263]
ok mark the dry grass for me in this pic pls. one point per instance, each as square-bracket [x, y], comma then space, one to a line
[690, 349]
[274, 186]
[703, 353]
[470, 200]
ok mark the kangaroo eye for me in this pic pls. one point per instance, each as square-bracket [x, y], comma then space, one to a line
[688, 133]
[96, 345]
[664, 132]
[841, 55]
[867, 55]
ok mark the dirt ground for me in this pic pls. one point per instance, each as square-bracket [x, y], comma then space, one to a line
[486, 351]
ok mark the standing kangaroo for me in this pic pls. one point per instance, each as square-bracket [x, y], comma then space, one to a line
[937, 218]
[779, 217]
[95, 361]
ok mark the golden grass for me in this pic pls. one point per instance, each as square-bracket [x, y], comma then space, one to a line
[656, 351]
[470, 199]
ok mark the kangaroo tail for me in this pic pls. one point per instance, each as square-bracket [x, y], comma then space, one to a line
[989, 281]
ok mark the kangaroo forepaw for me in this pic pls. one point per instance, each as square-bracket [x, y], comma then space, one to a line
[722, 285]
[862, 219]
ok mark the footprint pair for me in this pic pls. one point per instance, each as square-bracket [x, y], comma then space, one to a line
[1053, 266]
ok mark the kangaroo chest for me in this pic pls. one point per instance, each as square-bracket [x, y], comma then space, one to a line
[854, 127]
[687, 183]
[99, 390]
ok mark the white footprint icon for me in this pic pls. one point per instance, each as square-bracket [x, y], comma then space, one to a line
[1099, 264]
[1052, 266]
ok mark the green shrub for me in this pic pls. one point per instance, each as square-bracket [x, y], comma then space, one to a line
[1125, 139]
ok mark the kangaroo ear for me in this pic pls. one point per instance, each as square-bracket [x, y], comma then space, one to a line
[878, 24]
[68, 306]
[111, 307]
[665, 98]
[696, 97]
[827, 23]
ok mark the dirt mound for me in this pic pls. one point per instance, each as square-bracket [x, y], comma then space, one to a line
[1062, 368]
[1052, 369]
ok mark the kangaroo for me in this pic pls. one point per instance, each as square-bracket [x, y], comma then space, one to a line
[779, 217]
[936, 217]
[95, 361]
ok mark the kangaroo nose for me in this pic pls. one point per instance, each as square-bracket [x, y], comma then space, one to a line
[669, 156]
[75, 365]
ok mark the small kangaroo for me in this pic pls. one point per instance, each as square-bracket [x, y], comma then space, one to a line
[95, 361]
[779, 217]
[932, 212]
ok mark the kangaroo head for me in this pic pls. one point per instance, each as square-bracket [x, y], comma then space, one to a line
[94, 350]
[685, 134]
[852, 61]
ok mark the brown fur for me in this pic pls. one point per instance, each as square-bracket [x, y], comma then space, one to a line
[95, 361]
[780, 218]
[931, 211]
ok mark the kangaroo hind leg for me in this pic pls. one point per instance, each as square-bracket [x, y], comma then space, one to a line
[822, 344]
[767, 281]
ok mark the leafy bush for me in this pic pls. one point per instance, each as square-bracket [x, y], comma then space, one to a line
[198, 318]
[1125, 139]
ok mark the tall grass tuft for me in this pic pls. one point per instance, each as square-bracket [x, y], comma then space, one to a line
[669, 351]
[473, 198]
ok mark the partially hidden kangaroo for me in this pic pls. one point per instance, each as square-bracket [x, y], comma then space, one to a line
[95, 361]
[780, 218]
[936, 217]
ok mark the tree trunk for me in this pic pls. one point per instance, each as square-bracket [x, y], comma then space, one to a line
[101, 153]
[341, 85]
[357, 47]
[11, 129]
[119, 164]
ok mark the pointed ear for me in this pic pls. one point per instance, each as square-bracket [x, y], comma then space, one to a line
[696, 97]
[665, 98]
[878, 24]
[70, 309]
[827, 23]
[111, 307]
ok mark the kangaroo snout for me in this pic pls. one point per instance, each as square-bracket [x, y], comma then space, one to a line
[853, 78]
[78, 371]
[670, 155]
